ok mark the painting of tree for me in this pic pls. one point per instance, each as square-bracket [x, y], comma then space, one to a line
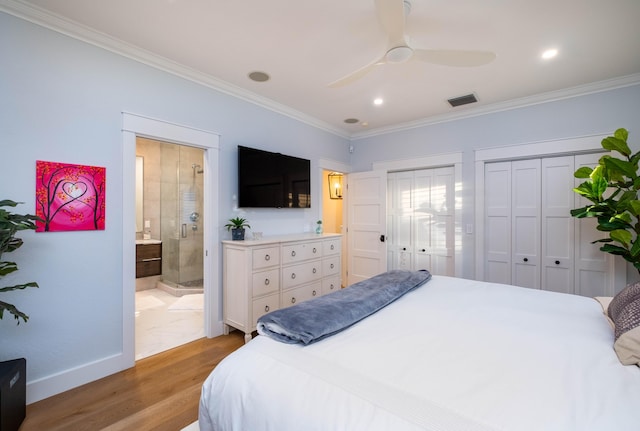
[69, 197]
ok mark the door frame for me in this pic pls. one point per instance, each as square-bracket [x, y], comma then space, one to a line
[134, 125]
[431, 162]
[540, 149]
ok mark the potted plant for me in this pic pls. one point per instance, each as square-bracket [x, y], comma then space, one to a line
[612, 189]
[10, 224]
[236, 225]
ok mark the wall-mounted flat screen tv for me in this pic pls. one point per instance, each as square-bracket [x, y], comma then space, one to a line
[272, 180]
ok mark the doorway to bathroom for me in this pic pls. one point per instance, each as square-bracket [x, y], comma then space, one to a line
[169, 303]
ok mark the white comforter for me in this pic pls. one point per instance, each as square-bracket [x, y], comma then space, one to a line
[452, 355]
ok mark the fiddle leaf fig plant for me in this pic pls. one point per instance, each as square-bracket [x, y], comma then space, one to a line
[612, 189]
[10, 224]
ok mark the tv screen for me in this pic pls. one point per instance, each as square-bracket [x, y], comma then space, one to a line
[272, 180]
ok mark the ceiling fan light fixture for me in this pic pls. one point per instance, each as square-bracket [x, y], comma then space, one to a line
[398, 54]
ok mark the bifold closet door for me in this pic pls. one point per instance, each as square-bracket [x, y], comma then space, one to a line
[525, 221]
[400, 220]
[594, 269]
[497, 224]
[557, 201]
[435, 221]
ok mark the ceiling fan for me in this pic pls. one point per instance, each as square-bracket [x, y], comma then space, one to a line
[391, 14]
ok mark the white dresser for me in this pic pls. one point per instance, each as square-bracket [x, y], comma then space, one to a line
[264, 275]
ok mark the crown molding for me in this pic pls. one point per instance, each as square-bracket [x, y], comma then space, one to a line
[566, 93]
[86, 34]
[57, 23]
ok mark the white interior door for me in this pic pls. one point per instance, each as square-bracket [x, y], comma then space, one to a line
[367, 192]
[400, 220]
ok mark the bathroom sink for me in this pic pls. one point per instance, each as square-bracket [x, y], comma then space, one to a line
[148, 241]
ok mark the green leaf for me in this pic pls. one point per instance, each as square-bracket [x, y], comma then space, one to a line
[634, 207]
[621, 134]
[614, 249]
[622, 236]
[618, 166]
[583, 172]
[614, 143]
[635, 249]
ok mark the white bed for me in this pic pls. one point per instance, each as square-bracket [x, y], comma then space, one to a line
[453, 354]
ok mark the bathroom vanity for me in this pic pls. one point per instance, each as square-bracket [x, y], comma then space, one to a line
[148, 258]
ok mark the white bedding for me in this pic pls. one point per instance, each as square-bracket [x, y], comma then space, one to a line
[452, 355]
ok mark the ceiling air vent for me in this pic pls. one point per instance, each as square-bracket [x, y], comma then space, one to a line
[463, 100]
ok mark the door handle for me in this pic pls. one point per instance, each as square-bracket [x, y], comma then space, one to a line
[382, 238]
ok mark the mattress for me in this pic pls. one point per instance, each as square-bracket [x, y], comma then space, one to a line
[453, 354]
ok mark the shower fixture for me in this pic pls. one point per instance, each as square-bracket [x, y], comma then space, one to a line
[197, 169]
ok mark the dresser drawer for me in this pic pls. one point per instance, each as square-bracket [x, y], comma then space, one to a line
[303, 273]
[331, 266]
[301, 251]
[265, 282]
[331, 247]
[266, 257]
[331, 284]
[300, 294]
[263, 306]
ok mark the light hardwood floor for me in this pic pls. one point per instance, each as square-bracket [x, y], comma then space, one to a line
[160, 393]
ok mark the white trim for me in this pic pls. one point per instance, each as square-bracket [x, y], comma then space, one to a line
[434, 161]
[556, 147]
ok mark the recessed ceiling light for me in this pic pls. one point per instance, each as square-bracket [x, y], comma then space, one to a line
[351, 120]
[258, 76]
[364, 124]
[549, 53]
[378, 101]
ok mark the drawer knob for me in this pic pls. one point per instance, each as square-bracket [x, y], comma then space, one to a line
[293, 300]
[331, 286]
[331, 266]
[266, 308]
[314, 270]
[526, 259]
[314, 293]
[293, 253]
[267, 257]
[557, 262]
[422, 250]
[332, 247]
[266, 281]
[314, 250]
[293, 275]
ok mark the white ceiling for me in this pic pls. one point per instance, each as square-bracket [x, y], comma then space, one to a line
[304, 45]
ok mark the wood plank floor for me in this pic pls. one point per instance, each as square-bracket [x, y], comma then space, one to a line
[160, 393]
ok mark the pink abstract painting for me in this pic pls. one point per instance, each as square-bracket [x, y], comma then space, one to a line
[69, 197]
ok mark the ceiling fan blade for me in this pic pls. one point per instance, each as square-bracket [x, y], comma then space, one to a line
[354, 76]
[391, 17]
[447, 57]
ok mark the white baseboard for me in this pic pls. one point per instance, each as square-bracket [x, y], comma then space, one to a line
[55, 384]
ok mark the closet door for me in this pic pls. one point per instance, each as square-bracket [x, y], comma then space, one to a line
[525, 221]
[400, 220]
[557, 200]
[594, 269]
[442, 224]
[497, 224]
[424, 220]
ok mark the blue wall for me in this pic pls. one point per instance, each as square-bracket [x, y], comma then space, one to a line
[62, 100]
